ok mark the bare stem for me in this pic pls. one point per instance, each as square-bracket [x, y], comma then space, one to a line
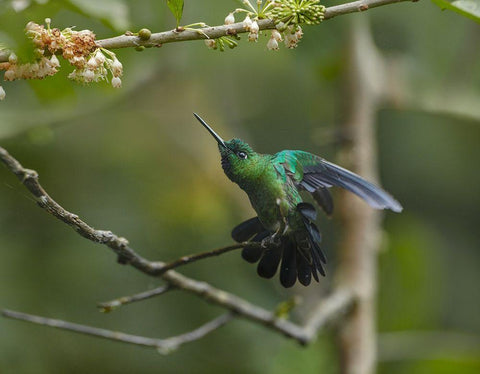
[184, 260]
[108, 306]
[163, 345]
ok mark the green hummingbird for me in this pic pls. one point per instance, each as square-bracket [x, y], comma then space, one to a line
[285, 225]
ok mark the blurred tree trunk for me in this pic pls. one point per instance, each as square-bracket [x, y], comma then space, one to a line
[364, 77]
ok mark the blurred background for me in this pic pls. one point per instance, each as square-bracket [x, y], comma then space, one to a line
[136, 162]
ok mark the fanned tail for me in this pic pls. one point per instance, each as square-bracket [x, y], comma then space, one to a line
[298, 253]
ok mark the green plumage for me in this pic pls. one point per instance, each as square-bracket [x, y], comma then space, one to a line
[285, 224]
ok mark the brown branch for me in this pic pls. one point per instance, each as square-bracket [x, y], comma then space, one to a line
[127, 255]
[163, 345]
[108, 306]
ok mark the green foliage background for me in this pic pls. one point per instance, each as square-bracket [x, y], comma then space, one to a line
[136, 162]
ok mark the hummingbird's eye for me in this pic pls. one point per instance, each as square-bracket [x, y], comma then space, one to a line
[242, 155]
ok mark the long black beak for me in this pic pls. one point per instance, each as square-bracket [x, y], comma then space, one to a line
[210, 130]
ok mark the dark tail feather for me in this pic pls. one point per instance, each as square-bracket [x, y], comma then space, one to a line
[246, 230]
[288, 269]
[268, 265]
[299, 252]
[304, 270]
[312, 252]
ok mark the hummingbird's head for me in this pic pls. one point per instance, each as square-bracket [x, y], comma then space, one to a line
[239, 161]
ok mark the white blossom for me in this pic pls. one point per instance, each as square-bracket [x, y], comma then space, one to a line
[117, 68]
[116, 82]
[12, 58]
[247, 23]
[210, 43]
[9, 75]
[54, 61]
[276, 35]
[254, 27]
[272, 44]
[230, 19]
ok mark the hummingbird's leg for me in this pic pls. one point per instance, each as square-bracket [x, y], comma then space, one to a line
[273, 239]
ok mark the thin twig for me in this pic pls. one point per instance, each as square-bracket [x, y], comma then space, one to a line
[163, 345]
[184, 260]
[127, 255]
[108, 306]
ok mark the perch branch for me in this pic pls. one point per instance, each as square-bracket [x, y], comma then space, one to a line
[163, 345]
[127, 255]
[184, 260]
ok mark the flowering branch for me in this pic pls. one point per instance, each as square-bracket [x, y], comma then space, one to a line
[215, 32]
[93, 59]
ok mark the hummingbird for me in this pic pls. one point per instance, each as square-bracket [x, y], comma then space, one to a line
[285, 224]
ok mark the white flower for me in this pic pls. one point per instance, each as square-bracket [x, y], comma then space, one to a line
[272, 44]
[210, 43]
[88, 75]
[276, 35]
[12, 58]
[54, 61]
[291, 40]
[78, 61]
[229, 19]
[116, 82]
[254, 27]
[92, 63]
[2, 93]
[299, 33]
[247, 23]
[99, 57]
[252, 37]
[9, 75]
[117, 68]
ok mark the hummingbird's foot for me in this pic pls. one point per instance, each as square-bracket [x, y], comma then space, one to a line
[272, 240]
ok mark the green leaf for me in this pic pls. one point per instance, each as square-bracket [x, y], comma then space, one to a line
[176, 7]
[467, 8]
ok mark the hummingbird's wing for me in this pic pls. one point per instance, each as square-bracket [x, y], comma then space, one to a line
[315, 175]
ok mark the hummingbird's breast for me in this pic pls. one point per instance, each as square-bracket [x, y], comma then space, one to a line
[273, 198]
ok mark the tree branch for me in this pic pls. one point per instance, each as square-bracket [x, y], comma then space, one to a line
[126, 255]
[163, 345]
[158, 39]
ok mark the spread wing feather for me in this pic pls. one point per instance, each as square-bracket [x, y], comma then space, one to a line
[316, 175]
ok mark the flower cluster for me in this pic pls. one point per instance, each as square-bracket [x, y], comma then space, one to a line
[42, 67]
[287, 15]
[95, 67]
[296, 12]
[91, 63]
